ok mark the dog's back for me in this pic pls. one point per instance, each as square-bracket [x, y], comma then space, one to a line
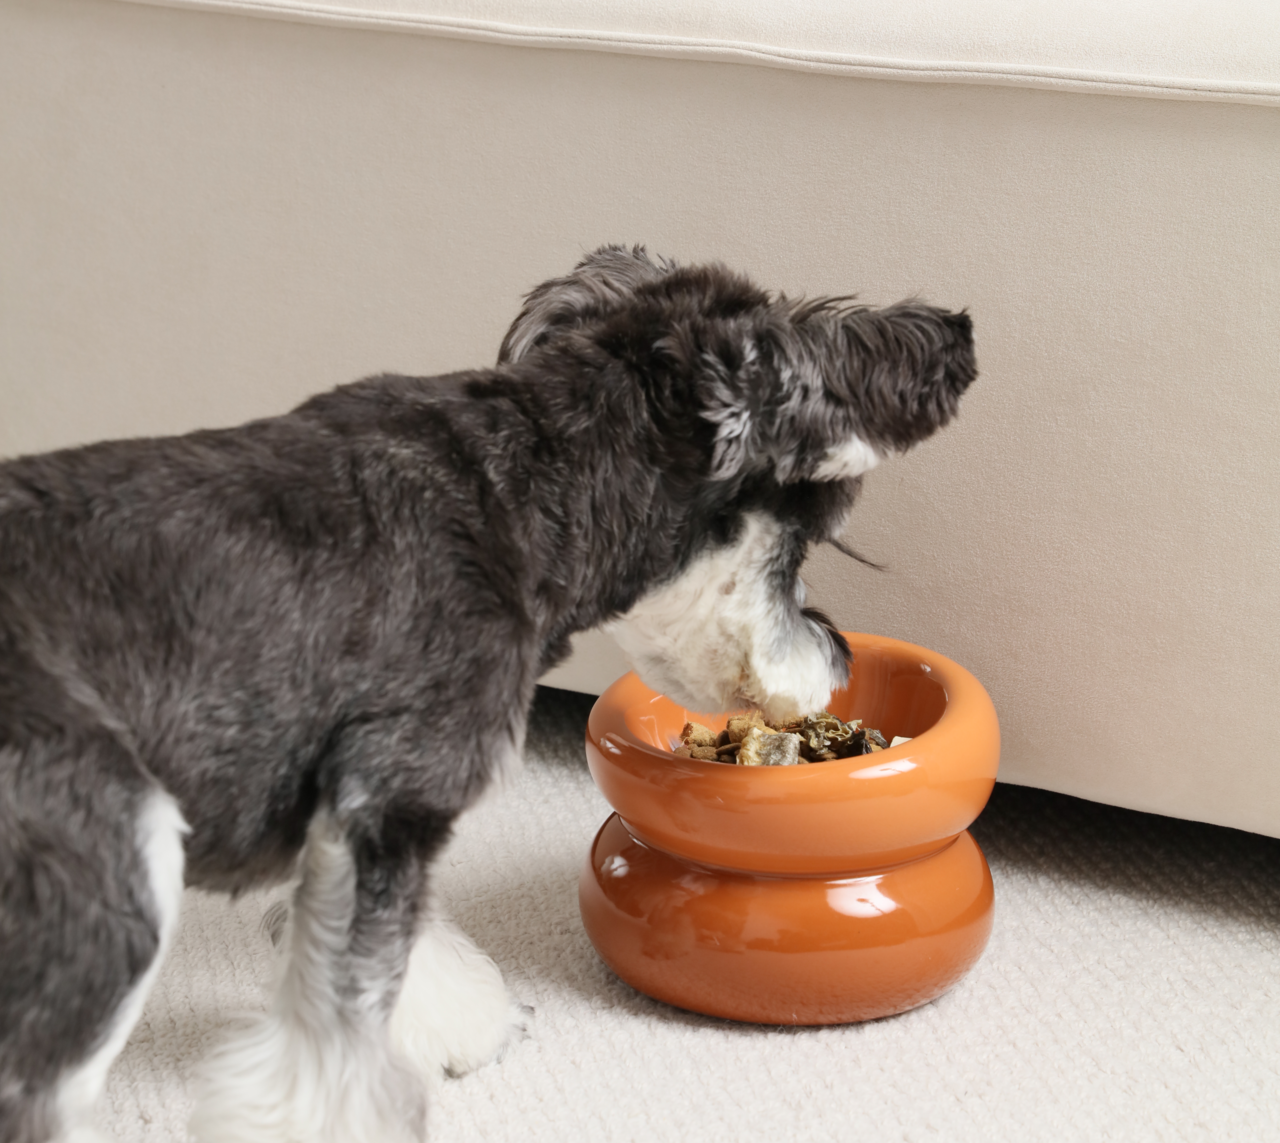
[216, 604]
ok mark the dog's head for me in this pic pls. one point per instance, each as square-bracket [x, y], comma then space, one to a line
[770, 411]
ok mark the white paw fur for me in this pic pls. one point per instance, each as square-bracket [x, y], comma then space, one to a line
[453, 1014]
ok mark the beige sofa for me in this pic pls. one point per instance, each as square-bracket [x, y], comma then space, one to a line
[209, 210]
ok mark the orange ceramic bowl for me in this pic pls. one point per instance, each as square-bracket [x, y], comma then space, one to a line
[815, 894]
[828, 817]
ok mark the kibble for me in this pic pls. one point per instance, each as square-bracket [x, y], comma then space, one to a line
[751, 740]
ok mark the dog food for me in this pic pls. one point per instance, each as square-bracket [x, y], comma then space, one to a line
[751, 740]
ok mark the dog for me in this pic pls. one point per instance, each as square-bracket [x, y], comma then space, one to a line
[302, 647]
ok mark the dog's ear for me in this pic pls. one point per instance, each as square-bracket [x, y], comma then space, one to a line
[599, 284]
[822, 390]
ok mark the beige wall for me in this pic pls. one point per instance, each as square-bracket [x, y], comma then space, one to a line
[204, 218]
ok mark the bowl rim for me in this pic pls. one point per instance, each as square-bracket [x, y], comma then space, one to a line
[961, 689]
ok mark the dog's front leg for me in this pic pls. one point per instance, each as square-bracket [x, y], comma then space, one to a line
[319, 1066]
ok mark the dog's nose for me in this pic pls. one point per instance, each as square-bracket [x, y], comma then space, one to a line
[963, 368]
[961, 326]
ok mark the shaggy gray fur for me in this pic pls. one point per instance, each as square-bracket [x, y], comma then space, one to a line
[349, 606]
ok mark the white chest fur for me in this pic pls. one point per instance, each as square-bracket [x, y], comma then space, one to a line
[725, 633]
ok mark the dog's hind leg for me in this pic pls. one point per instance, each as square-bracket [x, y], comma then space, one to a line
[160, 831]
[91, 876]
[319, 1067]
[454, 1013]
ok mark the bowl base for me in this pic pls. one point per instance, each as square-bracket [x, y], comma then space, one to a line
[785, 950]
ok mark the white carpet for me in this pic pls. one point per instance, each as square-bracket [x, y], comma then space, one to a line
[1131, 991]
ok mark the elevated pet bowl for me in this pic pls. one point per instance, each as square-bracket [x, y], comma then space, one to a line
[815, 894]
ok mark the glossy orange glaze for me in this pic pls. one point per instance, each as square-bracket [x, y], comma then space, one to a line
[829, 817]
[813, 894]
[785, 950]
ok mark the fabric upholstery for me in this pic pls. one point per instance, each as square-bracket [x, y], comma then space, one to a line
[1184, 49]
[208, 217]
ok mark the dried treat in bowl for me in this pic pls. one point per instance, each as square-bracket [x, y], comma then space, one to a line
[695, 734]
[761, 747]
[739, 726]
[706, 753]
[750, 740]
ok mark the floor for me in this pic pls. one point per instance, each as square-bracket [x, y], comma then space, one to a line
[1131, 991]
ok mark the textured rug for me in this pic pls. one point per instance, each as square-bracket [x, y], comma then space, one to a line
[1131, 991]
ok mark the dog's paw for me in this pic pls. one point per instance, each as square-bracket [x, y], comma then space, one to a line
[283, 1080]
[454, 1014]
[468, 1057]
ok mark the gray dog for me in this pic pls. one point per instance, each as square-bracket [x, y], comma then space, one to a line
[304, 646]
